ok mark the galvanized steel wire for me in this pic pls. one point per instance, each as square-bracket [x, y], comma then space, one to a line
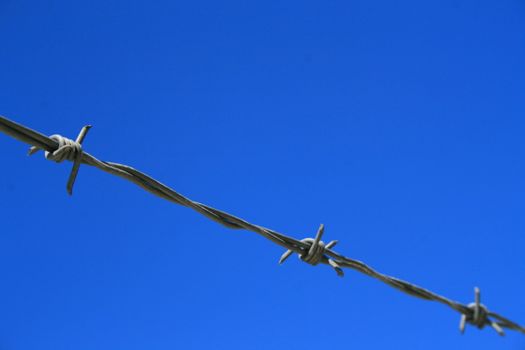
[311, 250]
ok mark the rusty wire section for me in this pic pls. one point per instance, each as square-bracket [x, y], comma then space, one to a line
[311, 250]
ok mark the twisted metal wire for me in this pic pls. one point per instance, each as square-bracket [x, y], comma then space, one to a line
[311, 250]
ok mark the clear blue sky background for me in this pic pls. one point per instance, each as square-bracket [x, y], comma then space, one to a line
[399, 125]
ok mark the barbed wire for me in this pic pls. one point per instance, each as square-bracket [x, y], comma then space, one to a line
[311, 250]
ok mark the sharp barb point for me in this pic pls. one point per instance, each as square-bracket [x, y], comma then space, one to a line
[331, 244]
[462, 323]
[285, 256]
[32, 150]
[497, 328]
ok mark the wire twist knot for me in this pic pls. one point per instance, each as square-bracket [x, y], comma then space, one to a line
[479, 316]
[67, 150]
[315, 254]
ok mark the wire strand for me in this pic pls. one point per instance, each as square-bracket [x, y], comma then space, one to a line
[312, 251]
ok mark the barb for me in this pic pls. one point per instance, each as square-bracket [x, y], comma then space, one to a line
[67, 150]
[480, 315]
[316, 252]
[311, 250]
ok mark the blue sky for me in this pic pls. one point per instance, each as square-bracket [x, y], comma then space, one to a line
[397, 124]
